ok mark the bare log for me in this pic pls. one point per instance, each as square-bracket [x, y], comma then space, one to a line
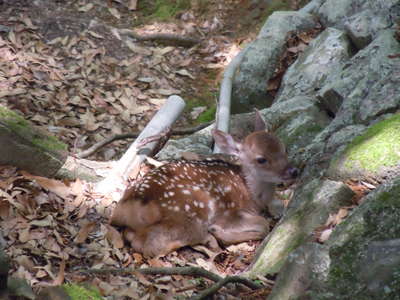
[29, 148]
[162, 38]
[224, 101]
[134, 156]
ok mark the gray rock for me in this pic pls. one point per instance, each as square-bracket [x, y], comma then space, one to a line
[199, 143]
[358, 29]
[325, 55]
[309, 209]
[381, 260]
[261, 58]
[378, 14]
[343, 136]
[369, 85]
[360, 260]
[309, 261]
[364, 251]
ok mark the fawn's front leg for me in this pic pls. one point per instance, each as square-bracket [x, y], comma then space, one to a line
[237, 227]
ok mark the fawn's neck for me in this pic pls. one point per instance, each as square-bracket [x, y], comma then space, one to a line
[262, 192]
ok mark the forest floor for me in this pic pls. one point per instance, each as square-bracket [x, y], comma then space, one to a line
[69, 68]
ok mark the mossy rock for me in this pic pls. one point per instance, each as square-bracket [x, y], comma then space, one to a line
[372, 155]
[364, 260]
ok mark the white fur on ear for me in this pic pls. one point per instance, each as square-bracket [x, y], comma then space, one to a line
[226, 142]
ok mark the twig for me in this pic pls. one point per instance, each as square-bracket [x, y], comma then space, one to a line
[186, 271]
[96, 147]
[219, 284]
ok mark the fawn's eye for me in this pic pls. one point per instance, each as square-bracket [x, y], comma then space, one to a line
[261, 160]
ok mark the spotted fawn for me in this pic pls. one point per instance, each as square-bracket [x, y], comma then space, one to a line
[186, 203]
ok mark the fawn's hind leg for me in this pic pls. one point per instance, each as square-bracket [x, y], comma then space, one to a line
[166, 236]
[239, 227]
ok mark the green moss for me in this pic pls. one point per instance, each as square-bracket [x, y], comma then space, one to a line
[208, 115]
[207, 99]
[49, 142]
[378, 146]
[163, 10]
[25, 129]
[14, 120]
[77, 292]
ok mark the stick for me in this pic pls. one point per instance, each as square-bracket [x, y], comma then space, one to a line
[186, 271]
[205, 294]
[96, 147]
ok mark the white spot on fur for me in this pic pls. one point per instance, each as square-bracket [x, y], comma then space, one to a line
[228, 188]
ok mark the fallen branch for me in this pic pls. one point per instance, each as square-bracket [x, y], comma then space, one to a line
[163, 38]
[205, 294]
[224, 101]
[128, 165]
[96, 147]
[184, 271]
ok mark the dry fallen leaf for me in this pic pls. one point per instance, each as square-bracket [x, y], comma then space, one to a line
[114, 237]
[55, 186]
[114, 12]
[84, 232]
[86, 8]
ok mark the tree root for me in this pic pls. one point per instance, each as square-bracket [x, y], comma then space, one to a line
[186, 271]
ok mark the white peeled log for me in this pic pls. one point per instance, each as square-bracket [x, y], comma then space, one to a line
[224, 101]
[115, 183]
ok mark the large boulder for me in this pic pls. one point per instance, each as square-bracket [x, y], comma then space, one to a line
[360, 261]
[326, 55]
[261, 58]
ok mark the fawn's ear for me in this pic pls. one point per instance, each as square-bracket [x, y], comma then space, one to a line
[259, 123]
[226, 142]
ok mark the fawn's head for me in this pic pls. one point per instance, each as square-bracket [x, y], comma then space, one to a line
[261, 154]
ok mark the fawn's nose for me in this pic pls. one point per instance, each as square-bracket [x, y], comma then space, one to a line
[293, 172]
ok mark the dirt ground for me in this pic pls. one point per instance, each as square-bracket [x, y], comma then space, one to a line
[71, 58]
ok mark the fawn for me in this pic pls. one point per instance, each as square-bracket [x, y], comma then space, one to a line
[185, 203]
